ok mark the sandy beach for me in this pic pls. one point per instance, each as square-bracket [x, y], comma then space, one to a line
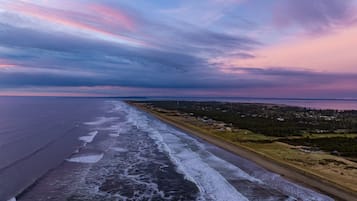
[288, 171]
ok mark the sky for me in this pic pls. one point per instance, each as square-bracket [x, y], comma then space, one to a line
[232, 48]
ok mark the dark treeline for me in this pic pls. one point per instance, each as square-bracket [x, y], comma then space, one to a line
[268, 119]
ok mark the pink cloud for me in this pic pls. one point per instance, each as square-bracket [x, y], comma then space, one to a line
[112, 16]
[6, 64]
[335, 52]
[81, 20]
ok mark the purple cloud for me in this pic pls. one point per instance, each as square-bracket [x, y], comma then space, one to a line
[148, 45]
[314, 15]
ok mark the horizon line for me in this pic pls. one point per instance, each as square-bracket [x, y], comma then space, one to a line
[184, 97]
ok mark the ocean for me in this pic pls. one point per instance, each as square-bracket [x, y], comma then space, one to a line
[104, 149]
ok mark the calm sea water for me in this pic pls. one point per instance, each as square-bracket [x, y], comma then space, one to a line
[104, 149]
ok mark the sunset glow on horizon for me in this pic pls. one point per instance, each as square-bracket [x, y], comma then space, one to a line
[272, 48]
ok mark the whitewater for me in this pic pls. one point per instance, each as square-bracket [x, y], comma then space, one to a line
[126, 154]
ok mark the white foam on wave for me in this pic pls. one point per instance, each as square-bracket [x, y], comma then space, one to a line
[212, 185]
[12, 199]
[88, 138]
[114, 135]
[173, 137]
[88, 158]
[100, 121]
[118, 149]
[116, 129]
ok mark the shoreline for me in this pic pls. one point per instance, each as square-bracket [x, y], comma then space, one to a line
[286, 170]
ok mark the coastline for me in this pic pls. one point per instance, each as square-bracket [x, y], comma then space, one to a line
[286, 170]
